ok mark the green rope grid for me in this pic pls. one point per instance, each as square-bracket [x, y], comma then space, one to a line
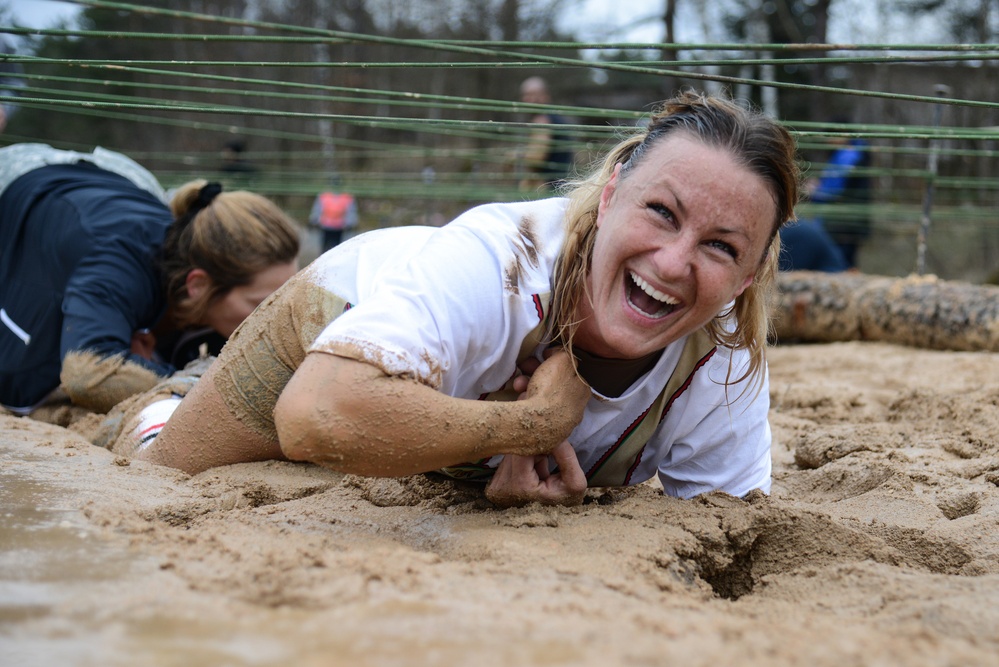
[980, 52]
[364, 147]
[475, 50]
[717, 78]
[405, 99]
[868, 131]
[494, 44]
[465, 138]
[412, 100]
[439, 102]
[365, 38]
[659, 68]
[495, 128]
[395, 98]
[359, 120]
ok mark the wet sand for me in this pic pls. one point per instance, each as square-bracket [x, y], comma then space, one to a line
[878, 546]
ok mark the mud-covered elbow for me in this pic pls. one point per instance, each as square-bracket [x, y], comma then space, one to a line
[295, 428]
[313, 433]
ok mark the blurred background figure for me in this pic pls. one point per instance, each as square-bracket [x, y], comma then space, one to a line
[334, 212]
[8, 77]
[235, 168]
[807, 246]
[547, 158]
[105, 288]
[846, 186]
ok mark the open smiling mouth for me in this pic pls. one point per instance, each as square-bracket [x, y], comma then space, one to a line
[646, 299]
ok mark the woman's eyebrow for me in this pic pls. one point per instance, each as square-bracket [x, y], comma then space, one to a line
[727, 231]
[681, 209]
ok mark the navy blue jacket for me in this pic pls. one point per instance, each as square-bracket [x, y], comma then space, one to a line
[558, 162]
[806, 246]
[78, 271]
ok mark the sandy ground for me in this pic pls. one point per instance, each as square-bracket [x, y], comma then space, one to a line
[879, 546]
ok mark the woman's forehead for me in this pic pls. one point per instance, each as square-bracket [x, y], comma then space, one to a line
[697, 178]
[684, 161]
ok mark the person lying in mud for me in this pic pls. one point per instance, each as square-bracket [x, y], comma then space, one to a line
[105, 288]
[595, 339]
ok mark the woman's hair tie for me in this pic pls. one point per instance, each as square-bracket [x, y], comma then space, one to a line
[206, 195]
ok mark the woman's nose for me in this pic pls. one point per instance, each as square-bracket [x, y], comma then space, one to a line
[675, 258]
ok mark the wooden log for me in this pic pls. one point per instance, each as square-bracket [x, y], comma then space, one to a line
[920, 311]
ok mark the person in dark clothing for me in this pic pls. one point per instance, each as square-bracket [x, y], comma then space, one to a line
[233, 160]
[806, 246]
[845, 187]
[547, 157]
[105, 289]
[10, 78]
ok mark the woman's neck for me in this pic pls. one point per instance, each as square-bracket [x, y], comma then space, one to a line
[612, 377]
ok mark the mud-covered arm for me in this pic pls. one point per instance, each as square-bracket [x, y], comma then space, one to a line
[351, 416]
[109, 297]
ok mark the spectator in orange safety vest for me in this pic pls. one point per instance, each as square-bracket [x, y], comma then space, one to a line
[333, 212]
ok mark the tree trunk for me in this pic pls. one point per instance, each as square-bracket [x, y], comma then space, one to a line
[918, 311]
[668, 84]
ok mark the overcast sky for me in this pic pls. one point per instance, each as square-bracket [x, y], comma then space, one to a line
[41, 13]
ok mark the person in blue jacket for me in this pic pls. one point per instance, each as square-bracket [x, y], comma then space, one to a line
[105, 289]
[806, 246]
[845, 186]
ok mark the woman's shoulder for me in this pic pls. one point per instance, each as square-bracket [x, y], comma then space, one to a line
[538, 216]
[532, 230]
[511, 239]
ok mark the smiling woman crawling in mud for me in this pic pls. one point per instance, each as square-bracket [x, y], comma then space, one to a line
[629, 319]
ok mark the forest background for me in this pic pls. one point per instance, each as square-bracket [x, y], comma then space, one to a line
[413, 106]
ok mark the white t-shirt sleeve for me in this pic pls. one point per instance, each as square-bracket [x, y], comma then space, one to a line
[728, 447]
[434, 311]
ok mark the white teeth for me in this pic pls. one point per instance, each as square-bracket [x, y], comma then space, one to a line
[651, 291]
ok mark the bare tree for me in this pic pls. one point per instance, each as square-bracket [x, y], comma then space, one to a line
[968, 21]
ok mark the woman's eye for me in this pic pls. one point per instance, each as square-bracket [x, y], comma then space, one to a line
[727, 248]
[662, 210]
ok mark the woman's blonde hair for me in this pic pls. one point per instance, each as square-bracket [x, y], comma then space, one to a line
[232, 236]
[755, 141]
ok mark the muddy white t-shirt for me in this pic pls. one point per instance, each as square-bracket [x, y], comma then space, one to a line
[456, 307]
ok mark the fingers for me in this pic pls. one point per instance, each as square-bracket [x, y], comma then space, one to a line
[541, 468]
[528, 366]
[570, 472]
[523, 467]
[520, 480]
[514, 481]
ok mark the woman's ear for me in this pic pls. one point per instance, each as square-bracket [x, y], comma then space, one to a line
[198, 283]
[605, 194]
[745, 284]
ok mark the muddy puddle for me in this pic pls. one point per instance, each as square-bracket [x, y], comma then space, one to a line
[91, 575]
[57, 571]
